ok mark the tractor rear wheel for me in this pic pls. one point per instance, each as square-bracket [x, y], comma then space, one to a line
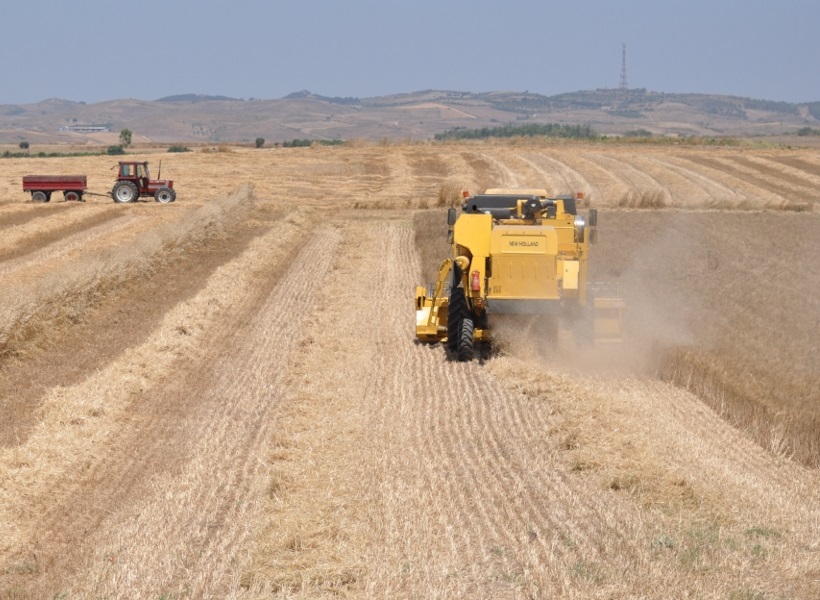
[466, 339]
[165, 195]
[124, 191]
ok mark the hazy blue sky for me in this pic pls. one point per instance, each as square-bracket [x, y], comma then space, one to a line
[93, 50]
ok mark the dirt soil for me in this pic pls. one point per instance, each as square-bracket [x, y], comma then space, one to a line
[223, 397]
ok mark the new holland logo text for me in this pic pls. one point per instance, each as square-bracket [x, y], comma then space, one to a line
[517, 244]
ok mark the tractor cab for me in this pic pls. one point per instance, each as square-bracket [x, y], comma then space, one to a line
[136, 172]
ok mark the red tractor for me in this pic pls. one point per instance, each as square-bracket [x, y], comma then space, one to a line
[133, 182]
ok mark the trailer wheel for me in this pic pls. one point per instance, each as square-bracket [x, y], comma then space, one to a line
[124, 191]
[71, 196]
[39, 196]
[466, 339]
[165, 195]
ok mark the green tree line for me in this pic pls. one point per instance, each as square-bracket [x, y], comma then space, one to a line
[530, 130]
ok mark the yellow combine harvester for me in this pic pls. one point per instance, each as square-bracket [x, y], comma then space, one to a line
[515, 251]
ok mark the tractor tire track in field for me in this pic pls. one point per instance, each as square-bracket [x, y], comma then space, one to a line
[19, 239]
[69, 245]
[17, 215]
[111, 486]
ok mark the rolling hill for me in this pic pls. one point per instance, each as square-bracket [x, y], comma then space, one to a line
[194, 118]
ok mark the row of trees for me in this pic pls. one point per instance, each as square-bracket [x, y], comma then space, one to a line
[529, 130]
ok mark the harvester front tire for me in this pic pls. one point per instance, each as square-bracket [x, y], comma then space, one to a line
[456, 312]
[165, 195]
[124, 191]
[466, 340]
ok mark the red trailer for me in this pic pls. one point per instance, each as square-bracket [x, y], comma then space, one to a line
[41, 186]
[133, 182]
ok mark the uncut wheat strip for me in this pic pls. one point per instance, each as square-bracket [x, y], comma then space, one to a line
[682, 191]
[637, 181]
[225, 474]
[710, 191]
[775, 175]
[72, 246]
[604, 187]
[715, 167]
[458, 168]
[802, 164]
[507, 176]
[528, 173]
[560, 177]
[486, 173]
[399, 181]
[77, 422]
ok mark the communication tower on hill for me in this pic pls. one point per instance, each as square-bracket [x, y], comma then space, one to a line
[623, 85]
[622, 95]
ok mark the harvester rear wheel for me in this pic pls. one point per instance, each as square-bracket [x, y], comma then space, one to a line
[466, 340]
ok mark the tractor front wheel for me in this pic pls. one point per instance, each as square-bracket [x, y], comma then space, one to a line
[165, 195]
[124, 191]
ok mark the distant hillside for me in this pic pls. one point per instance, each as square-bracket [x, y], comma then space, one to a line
[193, 118]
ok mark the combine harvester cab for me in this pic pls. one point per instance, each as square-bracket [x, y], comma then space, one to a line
[514, 252]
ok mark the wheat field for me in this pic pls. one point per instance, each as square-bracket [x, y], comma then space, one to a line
[223, 397]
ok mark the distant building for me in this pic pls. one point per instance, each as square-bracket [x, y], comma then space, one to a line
[86, 128]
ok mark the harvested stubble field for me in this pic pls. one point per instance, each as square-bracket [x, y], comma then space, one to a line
[223, 398]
